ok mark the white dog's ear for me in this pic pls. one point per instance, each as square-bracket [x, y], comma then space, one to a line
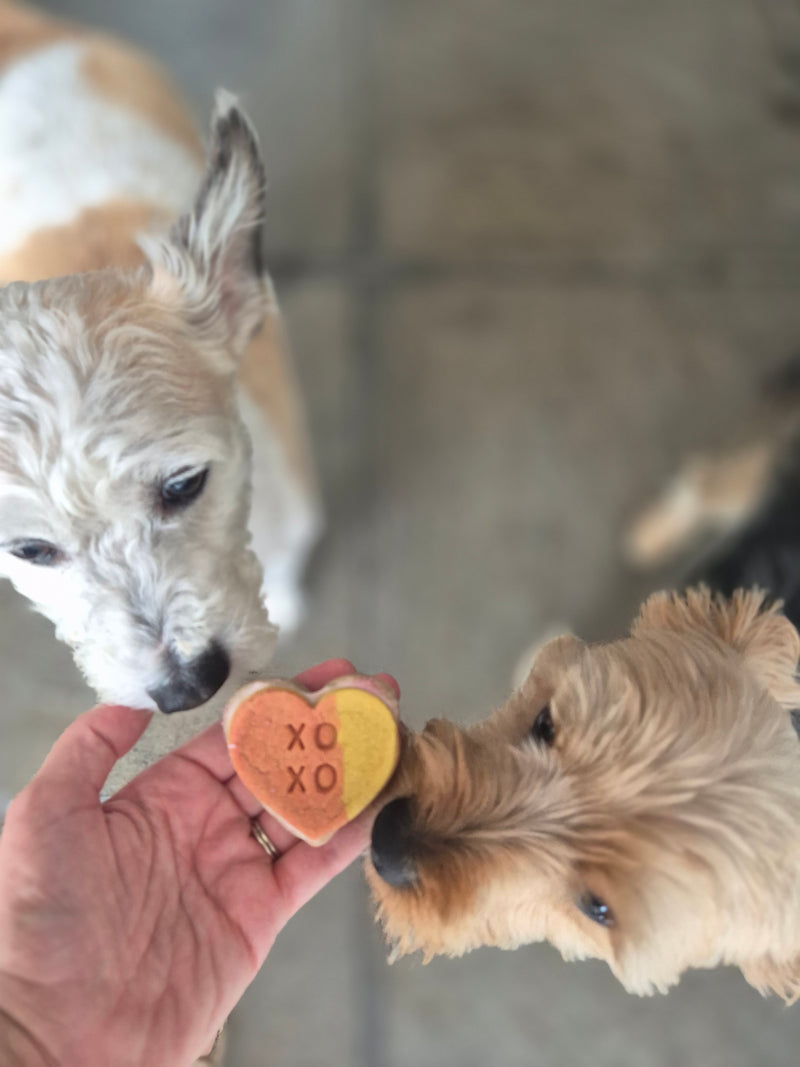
[211, 261]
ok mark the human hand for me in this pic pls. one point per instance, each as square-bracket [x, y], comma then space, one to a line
[129, 929]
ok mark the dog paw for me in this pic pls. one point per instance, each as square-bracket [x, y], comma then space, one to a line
[286, 608]
[661, 530]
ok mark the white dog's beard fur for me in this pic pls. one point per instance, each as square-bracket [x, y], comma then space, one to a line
[129, 600]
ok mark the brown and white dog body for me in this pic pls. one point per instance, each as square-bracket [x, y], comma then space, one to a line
[144, 339]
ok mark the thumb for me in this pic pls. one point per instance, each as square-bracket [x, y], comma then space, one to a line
[81, 760]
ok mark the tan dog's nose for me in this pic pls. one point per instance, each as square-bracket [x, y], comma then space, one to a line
[393, 843]
[191, 684]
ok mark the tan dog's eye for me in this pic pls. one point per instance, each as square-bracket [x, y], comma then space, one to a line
[543, 731]
[596, 909]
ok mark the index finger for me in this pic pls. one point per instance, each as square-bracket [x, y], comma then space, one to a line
[81, 759]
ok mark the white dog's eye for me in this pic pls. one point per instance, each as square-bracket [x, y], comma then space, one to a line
[42, 553]
[183, 488]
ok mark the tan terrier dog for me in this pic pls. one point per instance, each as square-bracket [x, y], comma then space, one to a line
[637, 801]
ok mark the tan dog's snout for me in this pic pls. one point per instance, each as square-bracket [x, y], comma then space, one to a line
[395, 843]
[637, 801]
[447, 802]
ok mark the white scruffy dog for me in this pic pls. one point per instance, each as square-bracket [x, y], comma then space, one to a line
[125, 461]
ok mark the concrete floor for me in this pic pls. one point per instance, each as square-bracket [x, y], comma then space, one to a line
[530, 254]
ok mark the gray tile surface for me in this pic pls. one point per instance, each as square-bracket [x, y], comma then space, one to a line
[529, 254]
[632, 135]
[291, 63]
[42, 691]
[530, 1009]
[306, 1006]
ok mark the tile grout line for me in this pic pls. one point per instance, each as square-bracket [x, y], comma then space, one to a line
[362, 271]
[365, 285]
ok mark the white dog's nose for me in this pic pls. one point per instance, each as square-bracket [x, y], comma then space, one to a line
[190, 684]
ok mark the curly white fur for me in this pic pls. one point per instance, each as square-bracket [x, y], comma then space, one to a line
[109, 383]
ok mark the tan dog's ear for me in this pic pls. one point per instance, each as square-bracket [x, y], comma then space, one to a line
[211, 262]
[764, 636]
[767, 976]
[523, 666]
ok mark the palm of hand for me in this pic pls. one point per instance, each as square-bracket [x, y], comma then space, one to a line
[177, 882]
[146, 917]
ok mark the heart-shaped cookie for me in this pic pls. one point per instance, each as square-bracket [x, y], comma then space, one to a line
[314, 760]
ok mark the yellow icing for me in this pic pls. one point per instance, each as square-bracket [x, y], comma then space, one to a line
[370, 745]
